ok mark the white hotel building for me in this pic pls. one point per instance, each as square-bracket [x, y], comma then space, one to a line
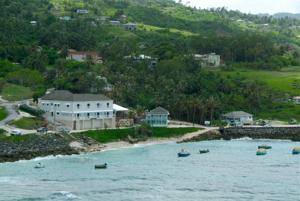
[78, 111]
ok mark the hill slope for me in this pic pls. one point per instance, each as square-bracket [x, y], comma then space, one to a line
[36, 35]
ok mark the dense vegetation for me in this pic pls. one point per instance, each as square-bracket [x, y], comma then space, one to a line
[112, 135]
[33, 55]
[3, 113]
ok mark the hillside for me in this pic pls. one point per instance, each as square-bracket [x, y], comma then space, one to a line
[36, 35]
[289, 15]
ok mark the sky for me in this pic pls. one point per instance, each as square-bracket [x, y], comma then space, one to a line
[249, 6]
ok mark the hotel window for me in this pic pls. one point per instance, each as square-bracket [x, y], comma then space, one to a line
[88, 105]
[98, 114]
[78, 106]
[107, 104]
[68, 105]
[107, 114]
[98, 105]
[88, 115]
[78, 115]
[57, 113]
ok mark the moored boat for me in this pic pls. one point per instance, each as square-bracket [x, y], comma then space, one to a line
[203, 151]
[261, 152]
[39, 166]
[264, 147]
[101, 166]
[183, 153]
[296, 150]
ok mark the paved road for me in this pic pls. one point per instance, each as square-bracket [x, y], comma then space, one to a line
[12, 114]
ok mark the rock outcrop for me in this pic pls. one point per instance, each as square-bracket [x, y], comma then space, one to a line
[35, 146]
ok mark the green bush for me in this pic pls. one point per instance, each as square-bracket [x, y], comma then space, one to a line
[32, 111]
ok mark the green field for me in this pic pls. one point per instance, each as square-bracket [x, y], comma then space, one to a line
[112, 135]
[286, 81]
[3, 113]
[14, 92]
[29, 123]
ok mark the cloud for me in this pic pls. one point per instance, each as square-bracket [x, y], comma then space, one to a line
[252, 6]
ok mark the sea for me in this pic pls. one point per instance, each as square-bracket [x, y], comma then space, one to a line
[231, 171]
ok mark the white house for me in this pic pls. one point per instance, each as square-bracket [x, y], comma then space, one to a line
[78, 111]
[211, 59]
[296, 99]
[238, 118]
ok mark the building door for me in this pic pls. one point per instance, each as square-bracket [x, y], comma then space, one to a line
[74, 125]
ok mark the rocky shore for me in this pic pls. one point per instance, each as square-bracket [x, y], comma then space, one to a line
[35, 146]
[56, 144]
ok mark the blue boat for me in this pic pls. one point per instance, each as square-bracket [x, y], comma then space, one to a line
[183, 153]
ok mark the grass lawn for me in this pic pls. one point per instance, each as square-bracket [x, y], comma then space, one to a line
[112, 135]
[3, 113]
[14, 92]
[29, 123]
[286, 80]
[17, 138]
[282, 111]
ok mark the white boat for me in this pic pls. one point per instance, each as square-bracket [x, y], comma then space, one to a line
[39, 165]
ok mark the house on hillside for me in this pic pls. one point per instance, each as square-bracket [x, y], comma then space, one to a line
[296, 99]
[238, 118]
[84, 56]
[208, 60]
[130, 26]
[65, 18]
[82, 11]
[115, 22]
[157, 117]
[33, 23]
[78, 111]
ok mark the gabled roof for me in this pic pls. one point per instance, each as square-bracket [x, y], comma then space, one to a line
[64, 95]
[159, 110]
[237, 114]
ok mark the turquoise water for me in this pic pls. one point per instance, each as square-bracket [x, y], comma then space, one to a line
[231, 171]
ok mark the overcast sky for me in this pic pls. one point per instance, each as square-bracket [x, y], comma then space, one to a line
[249, 6]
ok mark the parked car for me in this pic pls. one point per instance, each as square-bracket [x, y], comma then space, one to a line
[16, 132]
[42, 130]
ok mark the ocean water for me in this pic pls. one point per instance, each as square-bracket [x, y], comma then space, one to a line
[231, 171]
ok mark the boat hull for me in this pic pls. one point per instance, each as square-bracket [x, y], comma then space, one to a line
[103, 166]
[183, 154]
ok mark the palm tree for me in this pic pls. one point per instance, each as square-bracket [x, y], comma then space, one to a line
[212, 104]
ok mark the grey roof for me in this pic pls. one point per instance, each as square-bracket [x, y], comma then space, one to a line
[64, 95]
[159, 110]
[237, 114]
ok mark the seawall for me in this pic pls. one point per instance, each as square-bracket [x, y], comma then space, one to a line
[284, 132]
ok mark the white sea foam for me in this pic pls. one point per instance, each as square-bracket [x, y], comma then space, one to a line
[68, 195]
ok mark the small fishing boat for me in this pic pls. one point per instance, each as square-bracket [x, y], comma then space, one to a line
[39, 166]
[261, 152]
[264, 147]
[183, 153]
[203, 151]
[101, 166]
[296, 150]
